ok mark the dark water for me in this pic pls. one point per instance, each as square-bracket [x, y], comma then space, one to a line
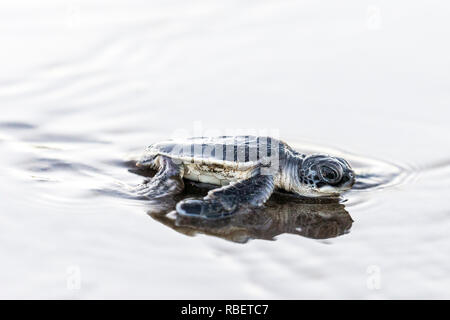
[84, 88]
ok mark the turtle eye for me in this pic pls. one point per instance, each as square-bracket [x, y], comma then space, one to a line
[330, 174]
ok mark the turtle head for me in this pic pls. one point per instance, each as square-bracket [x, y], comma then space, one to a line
[323, 175]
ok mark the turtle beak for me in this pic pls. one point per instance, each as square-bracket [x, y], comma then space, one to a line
[352, 179]
[141, 163]
[350, 182]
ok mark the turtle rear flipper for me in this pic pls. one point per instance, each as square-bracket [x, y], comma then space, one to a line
[225, 201]
[168, 181]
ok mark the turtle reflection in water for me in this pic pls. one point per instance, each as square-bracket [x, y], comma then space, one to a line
[282, 214]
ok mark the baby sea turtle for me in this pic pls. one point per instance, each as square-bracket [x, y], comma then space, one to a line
[247, 168]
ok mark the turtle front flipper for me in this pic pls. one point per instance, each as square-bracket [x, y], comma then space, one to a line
[225, 201]
[168, 181]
